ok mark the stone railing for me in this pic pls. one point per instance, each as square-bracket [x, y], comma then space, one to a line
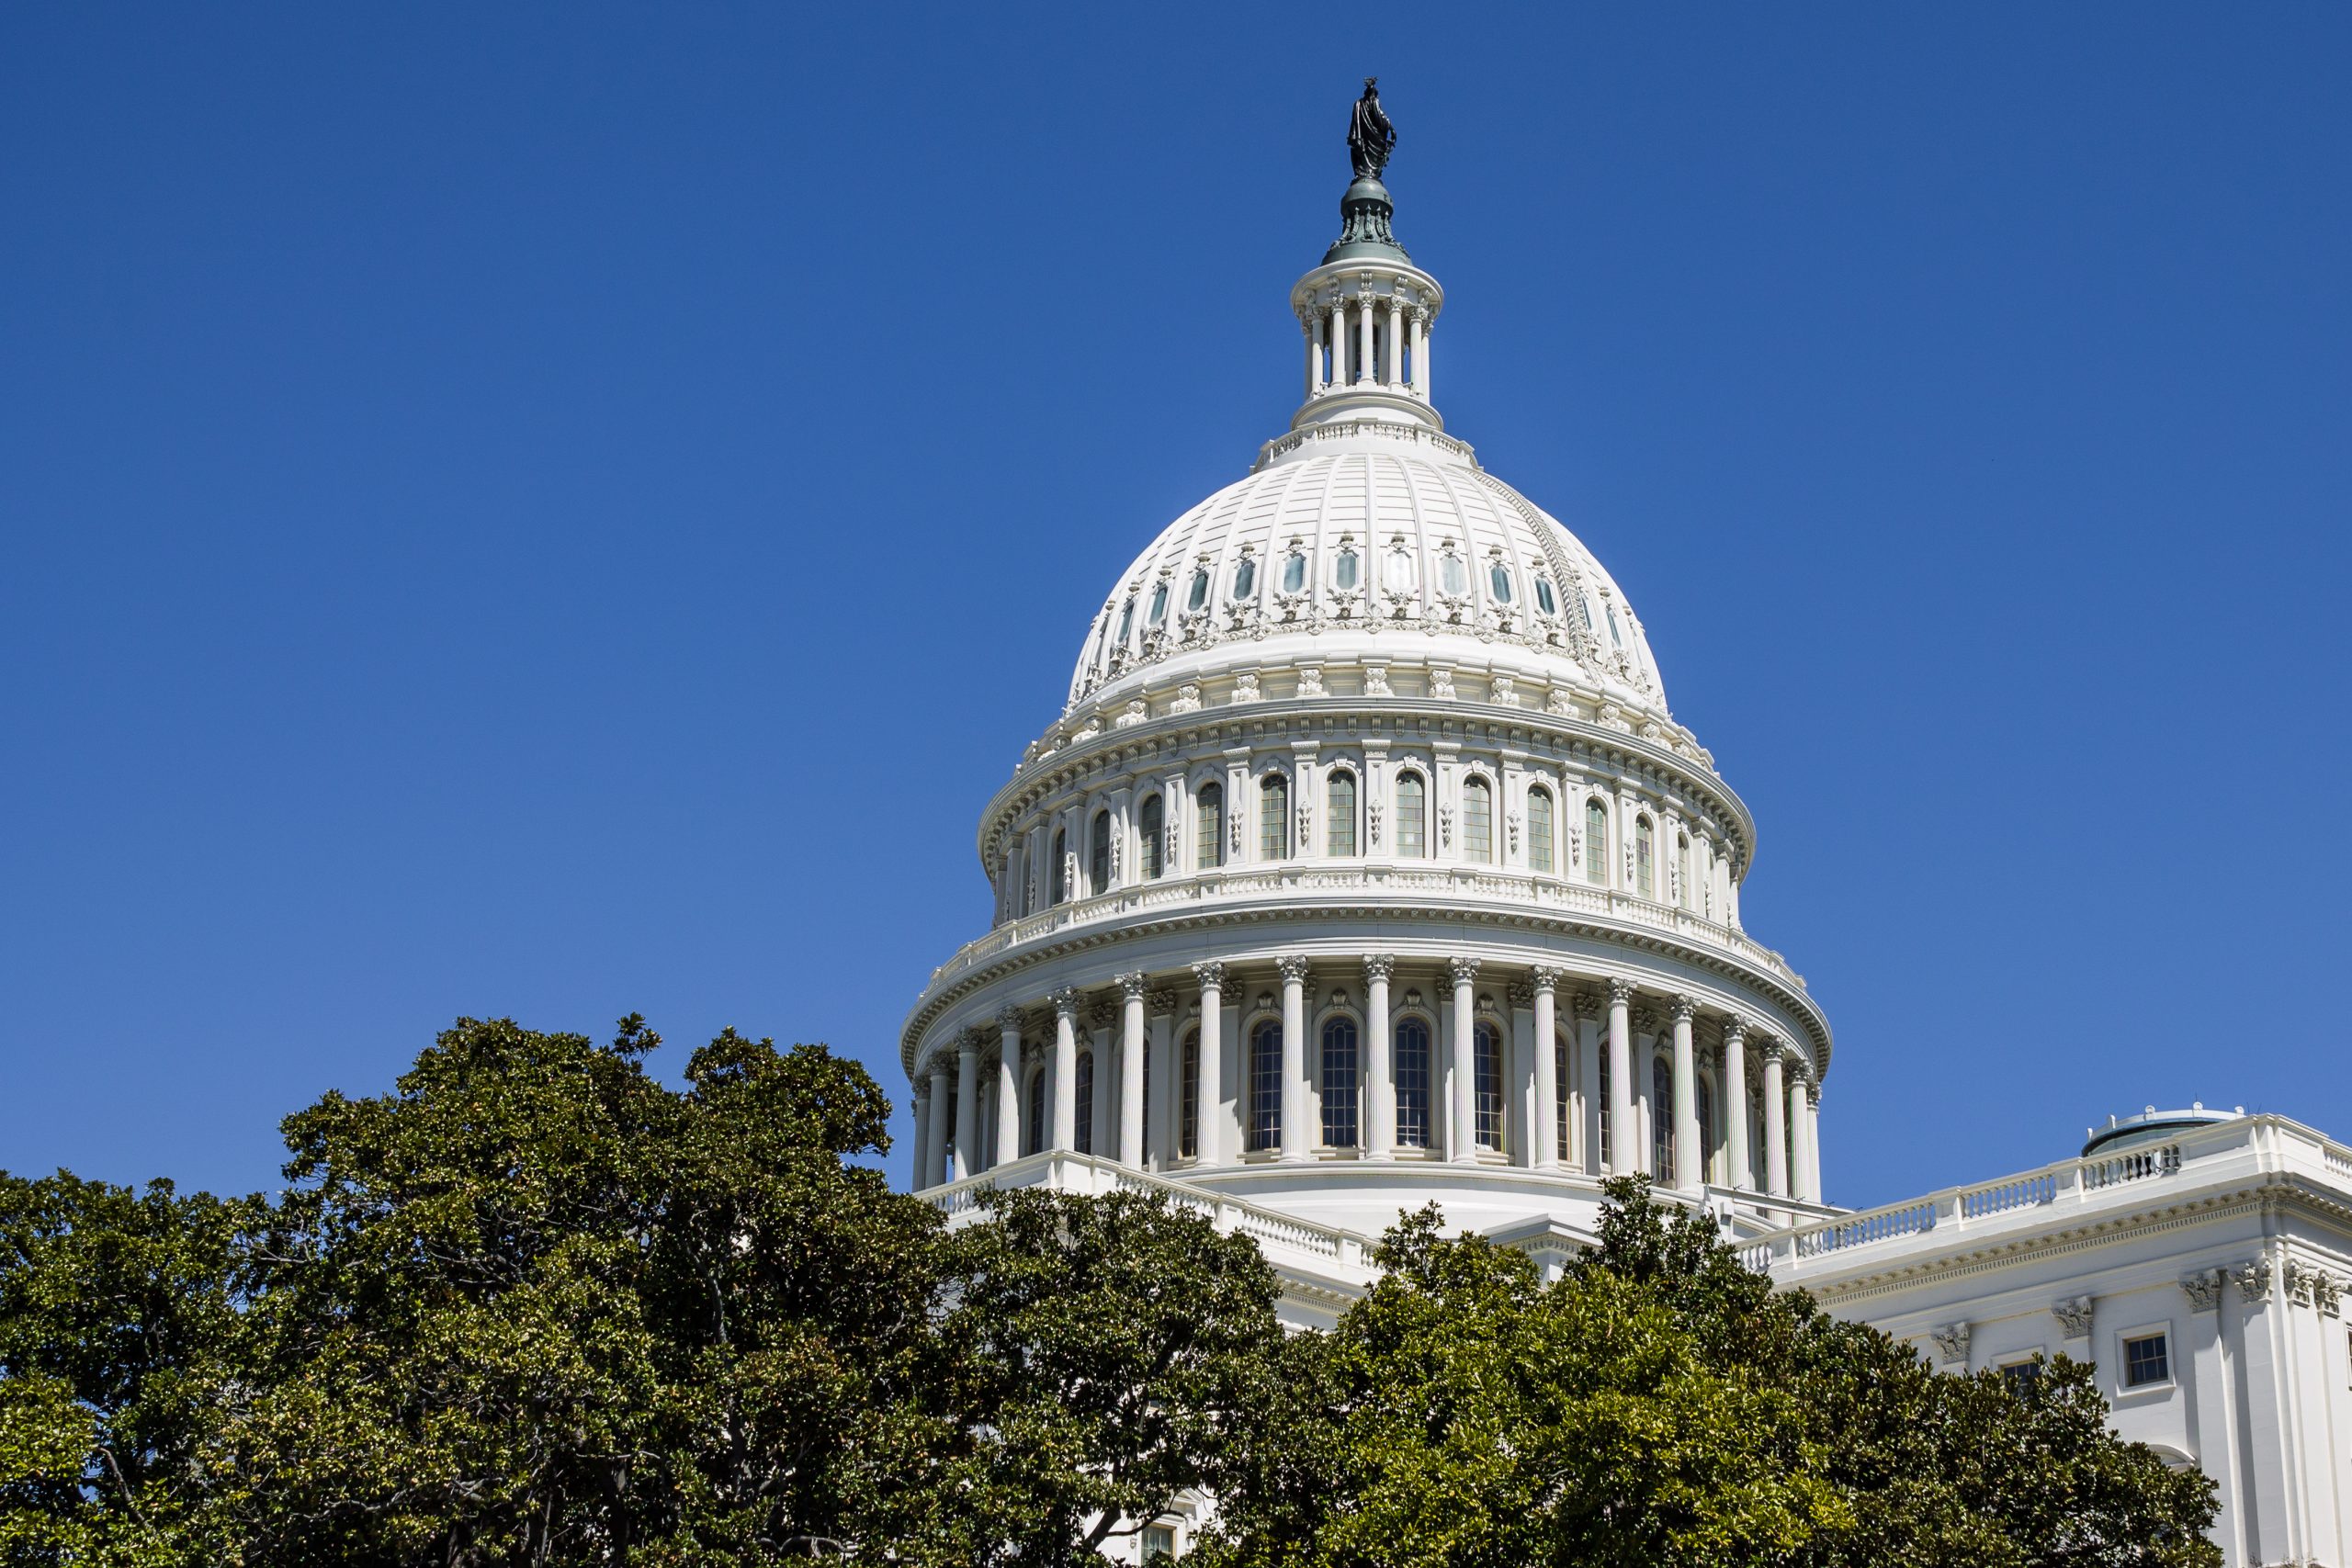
[1272, 1230]
[1295, 879]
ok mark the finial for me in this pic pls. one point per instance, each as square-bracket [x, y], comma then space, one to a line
[1371, 139]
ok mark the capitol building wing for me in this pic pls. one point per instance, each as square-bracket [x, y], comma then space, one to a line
[1367, 867]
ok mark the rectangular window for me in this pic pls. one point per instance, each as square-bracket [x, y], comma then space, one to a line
[1539, 831]
[1477, 822]
[1486, 1086]
[1411, 823]
[1343, 793]
[2023, 1377]
[1159, 1545]
[1273, 819]
[2147, 1361]
[1412, 1082]
[1595, 841]
[1211, 817]
[1340, 1084]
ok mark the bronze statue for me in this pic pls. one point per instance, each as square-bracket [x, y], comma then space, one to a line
[1370, 136]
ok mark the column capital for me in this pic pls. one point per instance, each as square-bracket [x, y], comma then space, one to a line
[1621, 993]
[1065, 1002]
[1209, 974]
[1540, 979]
[1010, 1018]
[971, 1039]
[1462, 970]
[1813, 1091]
[1132, 986]
[1685, 1008]
[1735, 1032]
[1297, 968]
[1378, 966]
[920, 1092]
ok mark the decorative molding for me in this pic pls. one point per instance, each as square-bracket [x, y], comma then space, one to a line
[2253, 1279]
[1585, 1004]
[1952, 1341]
[1521, 993]
[2204, 1289]
[1160, 1003]
[2073, 1314]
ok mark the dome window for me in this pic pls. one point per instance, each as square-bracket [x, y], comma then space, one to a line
[1584, 611]
[1346, 571]
[1453, 577]
[1158, 604]
[1499, 582]
[1616, 637]
[1126, 622]
[1396, 575]
[1198, 595]
[1295, 571]
[1543, 600]
[1245, 578]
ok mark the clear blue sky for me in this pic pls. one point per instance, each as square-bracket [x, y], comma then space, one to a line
[559, 511]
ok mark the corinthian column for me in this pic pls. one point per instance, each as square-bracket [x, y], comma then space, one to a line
[1547, 1070]
[967, 1103]
[1208, 1092]
[1396, 377]
[1064, 1069]
[1743, 1173]
[1463, 1078]
[1131, 989]
[1296, 1140]
[1775, 1126]
[1624, 1138]
[1379, 1073]
[1801, 1176]
[1008, 1087]
[937, 1166]
[1690, 1154]
[922, 1174]
[1363, 337]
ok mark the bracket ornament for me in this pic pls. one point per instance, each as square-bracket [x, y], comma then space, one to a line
[1952, 1341]
[2073, 1315]
[2204, 1289]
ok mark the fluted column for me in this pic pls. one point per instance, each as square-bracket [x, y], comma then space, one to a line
[1463, 1110]
[1428, 325]
[1209, 1092]
[1379, 1072]
[1102, 1020]
[1800, 1178]
[1776, 1126]
[937, 1167]
[1396, 377]
[1296, 1140]
[1736, 1152]
[1008, 1089]
[920, 1177]
[1131, 988]
[1624, 1138]
[1313, 332]
[1690, 1152]
[1336, 330]
[967, 1103]
[1064, 1069]
[1547, 1070]
[1812, 1187]
[1364, 338]
[1420, 350]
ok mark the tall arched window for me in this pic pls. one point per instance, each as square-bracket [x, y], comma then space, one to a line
[1211, 821]
[1412, 1082]
[1084, 1079]
[1341, 793]
[1662, 1120]
[1413, 816]
[1486, 1078]
[1682, 869]
[1150, 823]
[1266, 1086]
[1560, 1089]
[1539, 830]
[1704, 1095]
[1032, 1132]
[1477, 821]
[1274, 817]
[1188, 1099]
[1340, 1084]
[1061, 866]
[1595, 841]
[1645, 853]
[1098, 861]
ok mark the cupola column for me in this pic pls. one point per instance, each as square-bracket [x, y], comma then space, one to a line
[1690, 1154]
[1131, 988]
[1065, 1070]
[1775, 1126]
[1380, 1081]
[1296, 1140]
[1546, 1139]
[1735, 1154]
[1624, 1138]
[1396, 366]
[1462, 1070]
[1208, 1101]
[968, 1104]
[1008, 1086]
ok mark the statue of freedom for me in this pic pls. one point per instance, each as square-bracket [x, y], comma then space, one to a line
[1371, 139]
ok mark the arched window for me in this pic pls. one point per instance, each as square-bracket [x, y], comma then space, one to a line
[1099, 861]
[1477, 821]
[1340, 792]
[1340, 1084]
[1274, 817]
[1245, 578]
[1084, 1080]
[1150, 823]
[1188, 1099]
[1033, 1131]
[1560, 1089]
[1412, 815]
[1061, 866]
[1539, 830]
[1703, 1093]
[1486, 1076]
[1412, 1082]
[1682, 869]
[1595, 841]
[1644, 852]
[1266, 1086]
[1662, 1121]
[1211, 822]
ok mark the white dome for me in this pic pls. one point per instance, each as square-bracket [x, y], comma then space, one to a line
[1364, 536]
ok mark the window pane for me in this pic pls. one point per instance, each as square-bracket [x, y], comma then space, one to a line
[1061, 868]
[2146, 1361]
[1645, 879]
[1499, 582]
[1273, 819]
[1600, 1101]
[1543, 600]
[1188, 1103]
[1477, 822]
[1126, 621]
[1099, 868]
[1560, 1086]
[1266, 1086]
[1412, 1082]
[1662, 1121]
[1703, 1096]
[1293, 572]
[1158, 604]
[1033, 1136]
[1616, 637]
[1211, 833]
[1343, 793]
[1344, 573]
[1486, 1048]
[1084, 1077]
[1452, 576]
[1340, 1084]
[1539, 830]
[1153, 825]
[1595, 841]
[1411, 819]
[1397, 571]
[1198, 595]
[1245, 578]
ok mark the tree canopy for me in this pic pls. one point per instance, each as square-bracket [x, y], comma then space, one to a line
[536, 1307]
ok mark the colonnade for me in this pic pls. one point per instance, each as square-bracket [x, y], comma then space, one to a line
[1168, 1074]
[1332, 325]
